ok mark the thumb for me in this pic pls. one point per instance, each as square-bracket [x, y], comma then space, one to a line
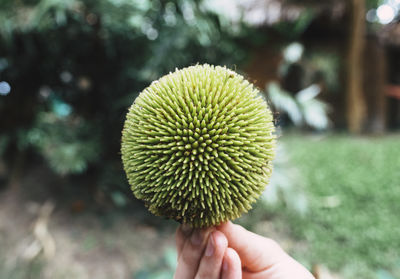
[256, 252]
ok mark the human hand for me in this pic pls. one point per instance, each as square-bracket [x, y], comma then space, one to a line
[205, 254]
[262, 257]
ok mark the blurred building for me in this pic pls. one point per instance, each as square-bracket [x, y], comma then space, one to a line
[390, 37]
[368, 85]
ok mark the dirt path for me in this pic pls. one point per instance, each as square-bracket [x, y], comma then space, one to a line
[86, 244]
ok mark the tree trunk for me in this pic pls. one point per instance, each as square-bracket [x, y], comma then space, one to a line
[355, 103]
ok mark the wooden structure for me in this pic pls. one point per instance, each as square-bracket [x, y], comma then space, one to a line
[370, 63]
[390, 36]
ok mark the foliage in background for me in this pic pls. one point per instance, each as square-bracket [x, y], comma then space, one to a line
[20, 270]
[303, 108]
[323, 66]
[67, 143]
[76, 66]
[293, 29]
[304, 74]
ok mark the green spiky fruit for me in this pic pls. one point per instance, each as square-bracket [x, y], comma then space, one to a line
[197, 145]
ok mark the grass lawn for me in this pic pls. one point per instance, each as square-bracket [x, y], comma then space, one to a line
[353, 188]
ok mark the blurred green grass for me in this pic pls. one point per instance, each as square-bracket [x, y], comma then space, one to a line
[353, 188]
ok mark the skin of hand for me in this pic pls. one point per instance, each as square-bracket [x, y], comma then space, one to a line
[231, 252]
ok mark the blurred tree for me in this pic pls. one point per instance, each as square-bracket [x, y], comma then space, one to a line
[75, 66]
[355, 101]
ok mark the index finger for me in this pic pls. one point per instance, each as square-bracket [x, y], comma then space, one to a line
[257, 253]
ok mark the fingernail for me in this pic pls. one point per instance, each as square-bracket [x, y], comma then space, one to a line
[186, 229]
[196, 238]
[210, 246]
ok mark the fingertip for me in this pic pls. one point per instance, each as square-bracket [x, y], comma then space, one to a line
[229, 228]
[220, 240]
[231, 265]
[233, 257]
[192, 249]
[211, 262]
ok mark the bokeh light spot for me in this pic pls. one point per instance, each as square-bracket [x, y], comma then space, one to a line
[385, 14]
[5, 88]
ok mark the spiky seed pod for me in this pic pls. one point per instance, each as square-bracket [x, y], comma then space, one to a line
[197, 145]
